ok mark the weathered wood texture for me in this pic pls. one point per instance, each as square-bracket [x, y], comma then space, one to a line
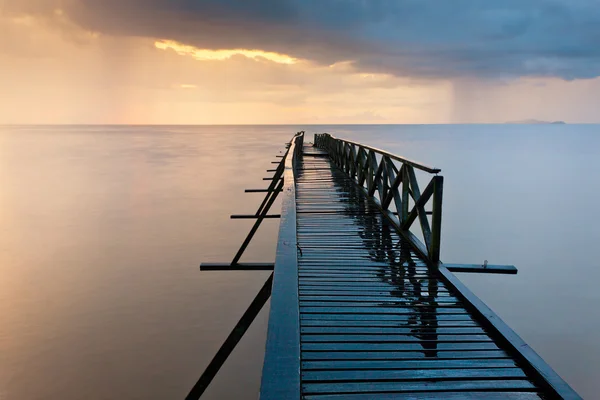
[378, 319]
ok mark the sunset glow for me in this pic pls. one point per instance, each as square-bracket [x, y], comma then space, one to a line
[212, 55]
[83, 61]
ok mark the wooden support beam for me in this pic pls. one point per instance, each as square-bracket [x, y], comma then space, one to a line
[395, 178]
[237, 267]
[425, 196]
[542, 373]
[259, 190]
[253, 216]
[270, 197]
[486, 269]
[262, 211]
[232, 340]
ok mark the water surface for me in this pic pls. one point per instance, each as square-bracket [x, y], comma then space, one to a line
[102, 230]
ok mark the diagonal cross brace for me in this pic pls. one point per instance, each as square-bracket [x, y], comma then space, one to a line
[232, 340]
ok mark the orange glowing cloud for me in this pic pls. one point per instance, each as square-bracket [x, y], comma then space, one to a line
[214, 55]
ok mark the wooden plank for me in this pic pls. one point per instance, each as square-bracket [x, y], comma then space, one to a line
[503, 395]
[414, 289]
[318, 268]
[258, 190]
[408, 267]
[373, 376]
[441, 324]
[336, 291]
[402, 355]
[237, 267]
[488, 269]
[419, 337]
[252, 216]
[397, 270]
[383, 299]
[399, 347]
[433, 328]
[281, 367]
[342, 279]
[393, 309]
[407, 364]
[400, 303]
[371, 317]
[381, 274]
[407, 387]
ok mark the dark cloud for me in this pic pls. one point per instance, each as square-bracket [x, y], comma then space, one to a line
[425, 38]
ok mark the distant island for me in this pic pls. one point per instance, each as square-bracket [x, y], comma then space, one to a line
[536, 121]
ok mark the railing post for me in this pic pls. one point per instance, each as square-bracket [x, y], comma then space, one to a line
[436, 219]
[403, 214]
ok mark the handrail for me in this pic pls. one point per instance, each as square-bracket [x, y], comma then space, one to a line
[403, 160]
[392, 187]
[281, 368]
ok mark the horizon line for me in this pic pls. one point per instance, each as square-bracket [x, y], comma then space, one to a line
[294, 124]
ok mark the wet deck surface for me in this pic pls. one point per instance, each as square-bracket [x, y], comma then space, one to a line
[376, 322]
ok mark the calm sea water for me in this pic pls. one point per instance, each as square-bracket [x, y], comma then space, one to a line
[102, 230]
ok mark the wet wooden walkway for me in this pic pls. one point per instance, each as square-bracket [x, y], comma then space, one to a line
[361, 305]
[376, 322]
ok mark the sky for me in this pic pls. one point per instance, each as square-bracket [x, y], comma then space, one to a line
[298, 61]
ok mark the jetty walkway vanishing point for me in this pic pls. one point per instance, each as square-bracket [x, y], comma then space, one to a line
[362, 307]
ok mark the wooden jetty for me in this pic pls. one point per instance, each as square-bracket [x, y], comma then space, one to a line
[362, 307]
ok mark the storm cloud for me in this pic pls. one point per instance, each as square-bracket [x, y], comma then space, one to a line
[425, 38]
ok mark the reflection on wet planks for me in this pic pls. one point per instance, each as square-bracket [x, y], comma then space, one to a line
[376, 322]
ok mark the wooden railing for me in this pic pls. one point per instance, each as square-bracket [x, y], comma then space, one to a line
[391, 181]
[298, 143]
